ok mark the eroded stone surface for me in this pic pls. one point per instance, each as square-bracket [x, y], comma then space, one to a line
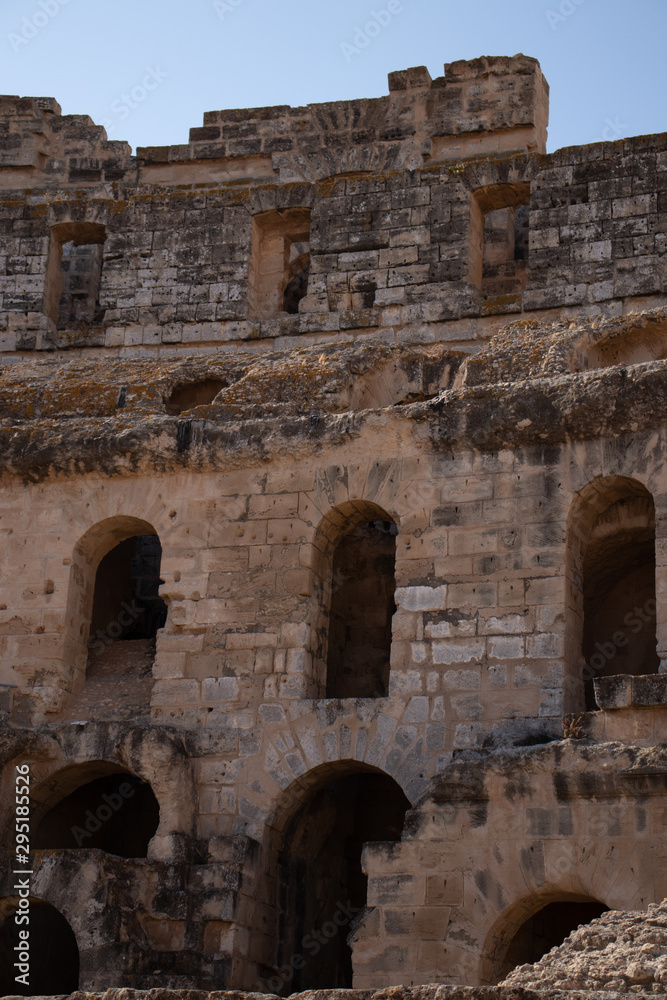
[302, 331]
[618, 952]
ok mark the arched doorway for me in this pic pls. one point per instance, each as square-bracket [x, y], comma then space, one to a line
[114, 613]
[321, 884]
[354, 587]
[545, 929]
[126, 603]
[612, 565]
[115, 811]
[52, 956]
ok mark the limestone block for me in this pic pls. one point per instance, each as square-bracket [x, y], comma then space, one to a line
[421, 598]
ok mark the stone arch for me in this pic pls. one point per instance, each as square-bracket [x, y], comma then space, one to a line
[152, 755]
[95, 805]
[84, 609]
[611, 593]
[314, 881]
[532, 926]
[53, 953]
[353, 585]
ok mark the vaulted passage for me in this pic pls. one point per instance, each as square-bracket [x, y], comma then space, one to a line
[126, 604]
[53, 955]
[117, 813]
[321, 884]
[362, 606]
[547, 929]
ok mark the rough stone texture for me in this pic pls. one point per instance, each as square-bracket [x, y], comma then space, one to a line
[509, 992]
[478, 366]
[618, 952]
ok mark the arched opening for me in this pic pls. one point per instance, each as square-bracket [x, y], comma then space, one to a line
[613, 595]
[547, 929]
[362, 607]
[355, 584]
[126, 602]
[116, 812]
[321, 885]
[114, 613]
[52, 956]
[127, 611]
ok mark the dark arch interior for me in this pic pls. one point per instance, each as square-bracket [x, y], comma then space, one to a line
[54, 954]
[190, 394]
[321, 884]
[547, 929]
[619, 634]
[362, 606]
[118, 814]
[126, 604]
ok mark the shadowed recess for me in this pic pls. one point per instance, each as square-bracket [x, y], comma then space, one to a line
[53, 953]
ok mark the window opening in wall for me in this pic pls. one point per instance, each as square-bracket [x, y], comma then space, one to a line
[619, 594]
[117, 813]
[127, 613]
[54, 953]
[280, 261]
[73, 275]
[499, 238]
[362, 606]
[321, 882]
[547, 929]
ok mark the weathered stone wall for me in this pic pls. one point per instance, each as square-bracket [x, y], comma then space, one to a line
[393, 248]
[497, 837]
[502, 439]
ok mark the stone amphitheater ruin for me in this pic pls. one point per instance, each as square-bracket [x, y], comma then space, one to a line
[333, 594]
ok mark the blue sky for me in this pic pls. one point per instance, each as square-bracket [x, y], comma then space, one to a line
[604, 59]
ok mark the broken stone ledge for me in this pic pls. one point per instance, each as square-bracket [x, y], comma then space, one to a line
[626, 691]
